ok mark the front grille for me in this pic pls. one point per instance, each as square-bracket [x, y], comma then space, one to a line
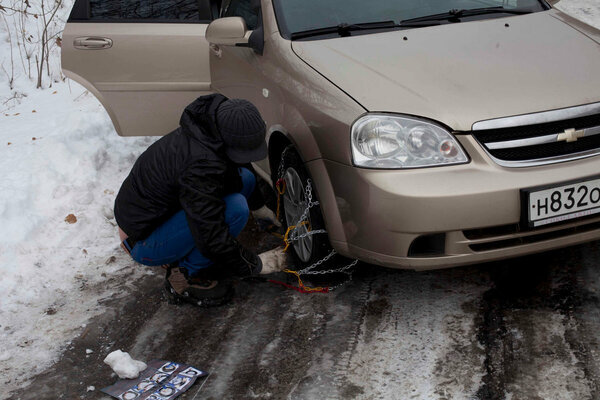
[555, 149]
[540, 141]
[518, 241]
[490, 232]
[516, 229]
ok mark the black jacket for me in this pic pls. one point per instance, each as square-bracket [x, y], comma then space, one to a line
[187, 169]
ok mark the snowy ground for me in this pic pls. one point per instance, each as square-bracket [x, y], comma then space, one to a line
[59, 155]
[460, 334]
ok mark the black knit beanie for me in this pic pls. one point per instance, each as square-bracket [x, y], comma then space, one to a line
[242, 130]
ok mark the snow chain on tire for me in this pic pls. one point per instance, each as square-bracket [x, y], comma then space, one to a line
[291, 236]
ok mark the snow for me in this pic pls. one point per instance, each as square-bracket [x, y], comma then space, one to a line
[53, 272]
[123, 365]
[60, 155]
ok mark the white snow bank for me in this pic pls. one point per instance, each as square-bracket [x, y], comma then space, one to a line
[54, 272]
[123, 365]
[59, 157]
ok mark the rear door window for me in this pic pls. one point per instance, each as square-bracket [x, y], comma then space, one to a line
[144, 10]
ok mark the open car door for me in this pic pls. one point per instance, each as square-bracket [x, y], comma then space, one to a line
[145, 60]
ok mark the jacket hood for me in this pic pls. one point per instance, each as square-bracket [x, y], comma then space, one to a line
[467, 72]
[198, 120]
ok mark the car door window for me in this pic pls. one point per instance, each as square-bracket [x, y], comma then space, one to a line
[244, 9]
[143, 10]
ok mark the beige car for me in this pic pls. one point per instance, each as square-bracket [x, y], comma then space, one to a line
[435, 133]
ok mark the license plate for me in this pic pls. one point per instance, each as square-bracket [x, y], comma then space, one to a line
[562, 203]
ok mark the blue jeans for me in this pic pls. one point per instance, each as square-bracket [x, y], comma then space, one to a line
[173, 240]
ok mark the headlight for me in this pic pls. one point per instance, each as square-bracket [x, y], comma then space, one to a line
[391, 142]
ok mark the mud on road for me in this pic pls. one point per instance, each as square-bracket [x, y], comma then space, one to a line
[521, 329]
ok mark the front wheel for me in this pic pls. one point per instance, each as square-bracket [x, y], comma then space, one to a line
[307, 248]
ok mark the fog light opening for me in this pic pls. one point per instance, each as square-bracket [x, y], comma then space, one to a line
[433, 245]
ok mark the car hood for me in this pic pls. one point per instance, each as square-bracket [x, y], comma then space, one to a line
[463, 73]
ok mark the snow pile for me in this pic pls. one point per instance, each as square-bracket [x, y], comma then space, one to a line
[62, 164]
[123, 365]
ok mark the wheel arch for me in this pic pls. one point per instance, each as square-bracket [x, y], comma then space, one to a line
[278, 141]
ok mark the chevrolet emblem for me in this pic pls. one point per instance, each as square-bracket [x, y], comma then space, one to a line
[570, 135]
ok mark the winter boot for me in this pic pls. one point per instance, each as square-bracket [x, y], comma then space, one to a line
[179, 287]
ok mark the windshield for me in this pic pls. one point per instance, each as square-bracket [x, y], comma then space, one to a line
[302, 15]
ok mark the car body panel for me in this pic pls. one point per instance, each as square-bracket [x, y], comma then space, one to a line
[148, 75]
[381, 212]
[311, 92]
[292, 97]
[575, 23]
[537, 63]
[461, 254]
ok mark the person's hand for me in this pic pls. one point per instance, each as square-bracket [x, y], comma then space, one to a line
[273, 261]
[265, 213]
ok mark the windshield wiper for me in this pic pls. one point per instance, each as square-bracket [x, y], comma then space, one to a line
[455, 15]
[346, 29]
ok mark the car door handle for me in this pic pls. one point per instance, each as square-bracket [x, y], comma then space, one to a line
[216, 50]
[92, 43]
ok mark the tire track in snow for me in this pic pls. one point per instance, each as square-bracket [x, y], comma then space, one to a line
[491, 329]
[238, 370]
[334, 338]
[579, 305]
[417, 337]
[357, 319]
[531, 329]
[387, 334]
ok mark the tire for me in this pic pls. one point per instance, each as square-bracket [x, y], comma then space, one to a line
[308, 250]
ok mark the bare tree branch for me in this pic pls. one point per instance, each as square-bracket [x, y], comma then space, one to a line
[11, 75]
[47, 18]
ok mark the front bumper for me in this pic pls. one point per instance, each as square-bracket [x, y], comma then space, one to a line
[377, 215]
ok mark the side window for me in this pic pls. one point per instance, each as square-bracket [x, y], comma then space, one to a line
[245, 9]
[143, 10]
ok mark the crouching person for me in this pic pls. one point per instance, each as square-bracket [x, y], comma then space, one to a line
[188, 197]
